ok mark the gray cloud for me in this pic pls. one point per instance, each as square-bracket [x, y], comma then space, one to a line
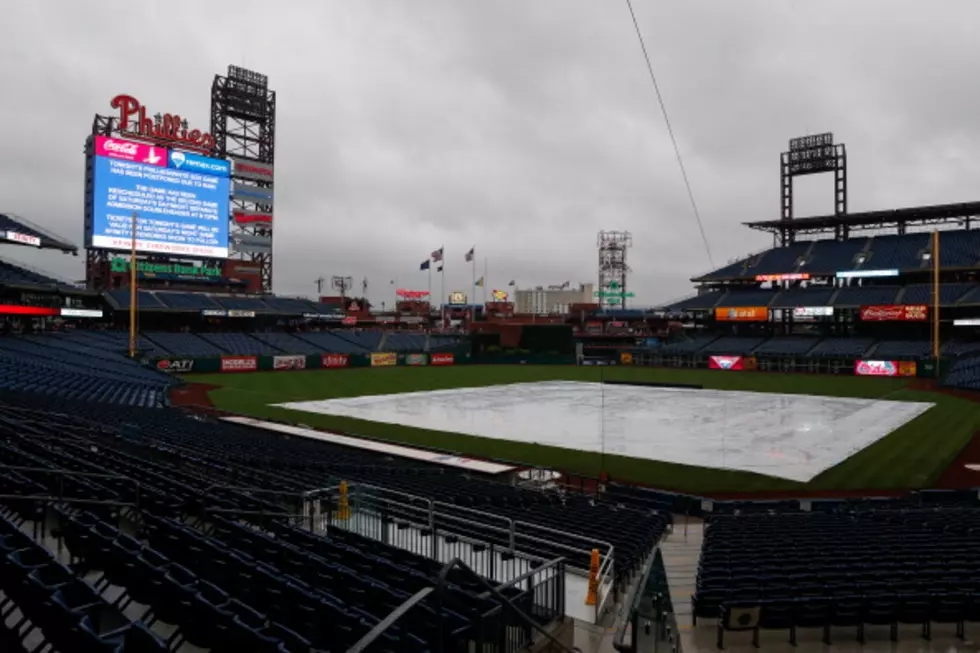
[520, 127]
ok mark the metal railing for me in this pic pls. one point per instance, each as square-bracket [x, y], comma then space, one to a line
[648, 623]
[500, 548]
[508, 627]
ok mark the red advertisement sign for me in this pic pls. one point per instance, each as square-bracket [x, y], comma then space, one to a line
[442, 359]
[350, 319]
[239, 363]
[891, 313]
[116, 148]
[412, 294]
[725, 363]
[289, 362]
[334, 360]
[876, 368]
[792, 276]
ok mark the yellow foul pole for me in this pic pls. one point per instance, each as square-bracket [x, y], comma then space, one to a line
[935, 296]
[132, 292]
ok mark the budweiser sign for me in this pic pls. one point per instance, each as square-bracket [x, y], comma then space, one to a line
[891, 313]
[133, 120]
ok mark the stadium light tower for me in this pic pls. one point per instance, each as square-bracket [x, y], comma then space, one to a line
[613, 269]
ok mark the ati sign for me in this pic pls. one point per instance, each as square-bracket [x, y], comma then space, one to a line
[175, 367]
[134, 121]
[145, 267]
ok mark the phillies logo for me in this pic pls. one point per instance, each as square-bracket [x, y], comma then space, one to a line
[876, 368]
[726, 362]
[166, 127]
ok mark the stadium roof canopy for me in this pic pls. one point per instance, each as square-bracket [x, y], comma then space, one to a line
[15, 230]
[919, 215]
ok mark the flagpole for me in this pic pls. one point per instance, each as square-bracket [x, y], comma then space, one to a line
[473, 296]
[484, 279]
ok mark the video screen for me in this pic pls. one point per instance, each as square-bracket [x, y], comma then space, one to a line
[181, 199]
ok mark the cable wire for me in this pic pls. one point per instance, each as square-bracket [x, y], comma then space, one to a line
[670, 130]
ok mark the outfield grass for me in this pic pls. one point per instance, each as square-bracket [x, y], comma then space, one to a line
[913, 456]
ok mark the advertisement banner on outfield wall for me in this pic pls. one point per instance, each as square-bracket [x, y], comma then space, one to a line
[891, 313]
[625, 358]
[384, 360]
[733, 363]
[742, 314]
[239, 363]
[907, 368]
[176, 366]
[876, 368]
[334, 360]
[415, 359]
[442, 359]
[289, 362]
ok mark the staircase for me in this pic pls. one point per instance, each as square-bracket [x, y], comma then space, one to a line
[681, 552]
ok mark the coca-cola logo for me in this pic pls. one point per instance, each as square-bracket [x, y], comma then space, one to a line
[121, 147]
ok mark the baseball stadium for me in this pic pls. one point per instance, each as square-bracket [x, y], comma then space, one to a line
[786, 457]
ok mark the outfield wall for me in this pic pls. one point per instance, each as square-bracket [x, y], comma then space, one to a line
[292, 362]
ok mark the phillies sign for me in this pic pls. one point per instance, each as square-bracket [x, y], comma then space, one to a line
[167, 127]
[891, 313]
[876, 368]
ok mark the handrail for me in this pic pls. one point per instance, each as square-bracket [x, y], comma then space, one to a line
[440, 590]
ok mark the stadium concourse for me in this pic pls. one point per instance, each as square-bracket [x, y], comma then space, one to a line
[129, 524]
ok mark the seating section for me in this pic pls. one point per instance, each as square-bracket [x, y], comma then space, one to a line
[787, 346]
[732, 346]
[855, 296]
[329, 341]
[747, 298]
[902, 350]
[144, 299]
[183, 344]
[689, 346]
[831, 256]
[187, 301]
[842, 347]
[63, 367]
[15, 274]
[803, 297]
[442, 343]
[242, 303]
[363, 341]
[404, 342]
[964, 374]
[291, 305]
[958, 249]
[703, 300]
[785, 571]
[287, 343]
[240, 344]
[251, 580]
[949, 293]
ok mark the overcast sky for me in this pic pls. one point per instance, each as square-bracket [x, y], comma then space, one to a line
[522, 127]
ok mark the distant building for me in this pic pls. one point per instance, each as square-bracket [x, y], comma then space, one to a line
[553, 299]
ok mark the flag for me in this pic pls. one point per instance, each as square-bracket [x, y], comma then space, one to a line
[566, 285]
[439, 269]
[437, 254]
[425, 265]
[512, 283]
[469, 254]
[479, 282]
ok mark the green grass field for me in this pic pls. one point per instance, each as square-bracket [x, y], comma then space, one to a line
[913, 456]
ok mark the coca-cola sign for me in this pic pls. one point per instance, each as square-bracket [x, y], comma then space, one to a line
[133, 119]
[117, 148]
[893, 313]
